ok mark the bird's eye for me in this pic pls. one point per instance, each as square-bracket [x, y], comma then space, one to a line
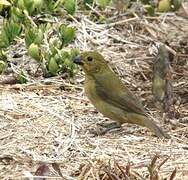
[89, 58]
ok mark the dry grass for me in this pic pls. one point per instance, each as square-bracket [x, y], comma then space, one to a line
[42, 124]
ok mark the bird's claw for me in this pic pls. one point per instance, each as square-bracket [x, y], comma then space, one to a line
[105, 128]
[98, 132]
[112, 125]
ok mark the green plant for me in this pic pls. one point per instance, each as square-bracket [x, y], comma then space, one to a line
[103, 3]
[70, 6]
[30, 6]
[61, 61]
[53, 66]
[3, 66]
[164, 5]
[149, 9]
[33, 35]
[66, 34]
[3, 61]
[35, 52]
[176, 4]
[21, 78]
[9, 32]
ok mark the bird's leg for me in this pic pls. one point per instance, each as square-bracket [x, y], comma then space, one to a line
[110, 125]
[107, 127]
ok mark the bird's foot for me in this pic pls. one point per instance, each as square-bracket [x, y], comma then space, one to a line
[110, 126]
[105, 128]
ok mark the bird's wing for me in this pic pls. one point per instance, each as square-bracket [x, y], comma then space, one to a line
[121, 99]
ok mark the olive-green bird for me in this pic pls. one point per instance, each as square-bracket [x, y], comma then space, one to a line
[161, 85]
[109, 95]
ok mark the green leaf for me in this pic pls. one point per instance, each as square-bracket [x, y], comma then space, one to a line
[54, 44]
[33, 35]
[67, 34]
[103, 3]
[17, 15]
[53, 66]
[70, 6]
[164, 6]
[9, 32]
[3, 55]
[145, 1]
[4, 41]
[150, 9]
[88, 2]
[64, 55]
[73, 53]
[34, 52]
[33, 6]
[38, 4]
[5, 3]
[14, 29]
[29, 6]
[67, 64]
[39, 37]
[176, 4]
[52, 6]
[3, 66]
[22, 77]
[20, 4]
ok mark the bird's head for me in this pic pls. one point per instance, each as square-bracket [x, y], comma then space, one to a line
[91, 62]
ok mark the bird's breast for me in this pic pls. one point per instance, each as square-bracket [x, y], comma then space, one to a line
[100, 104]
[90, 91]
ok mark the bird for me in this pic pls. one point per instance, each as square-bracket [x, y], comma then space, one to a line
[161, 82]
[110, 96]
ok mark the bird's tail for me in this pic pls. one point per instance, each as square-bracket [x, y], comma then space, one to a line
[156, 129]
[145, 121]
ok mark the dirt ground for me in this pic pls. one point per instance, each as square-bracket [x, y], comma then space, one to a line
[48, 121]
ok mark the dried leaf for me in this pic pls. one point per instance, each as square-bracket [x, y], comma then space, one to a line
[8, 80]
[173, 174]
[125, 173]
[154, 160]
[162, 162]
[57, 168]
[43, 170]
[110, 174]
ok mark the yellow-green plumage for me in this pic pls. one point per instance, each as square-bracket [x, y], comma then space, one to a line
[161, 85]
[109, 95]
[158, 88]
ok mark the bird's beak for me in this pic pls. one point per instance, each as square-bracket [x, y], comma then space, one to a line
[77, 60]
